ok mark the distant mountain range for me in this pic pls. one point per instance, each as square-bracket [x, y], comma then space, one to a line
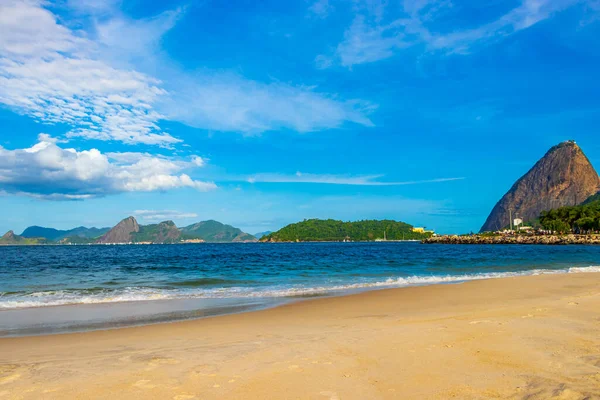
[56, 234]
[129, 231]
[216, 232]
[261, 234]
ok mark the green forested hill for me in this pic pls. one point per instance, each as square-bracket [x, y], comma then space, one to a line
[332, 230]
[165, 232]
[215, 232]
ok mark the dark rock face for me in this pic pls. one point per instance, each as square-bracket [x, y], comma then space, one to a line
[122, 232]
[563, 177]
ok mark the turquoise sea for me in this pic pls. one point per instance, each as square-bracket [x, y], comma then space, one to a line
[53, 289]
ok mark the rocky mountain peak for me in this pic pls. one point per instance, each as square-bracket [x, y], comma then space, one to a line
[122, 232]
[563, 177]
[10, 235]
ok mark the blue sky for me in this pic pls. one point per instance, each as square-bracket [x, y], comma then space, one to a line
[259, 114]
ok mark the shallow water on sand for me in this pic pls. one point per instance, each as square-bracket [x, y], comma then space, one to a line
[46, 289]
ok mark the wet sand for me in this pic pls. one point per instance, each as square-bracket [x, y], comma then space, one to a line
[535, 337]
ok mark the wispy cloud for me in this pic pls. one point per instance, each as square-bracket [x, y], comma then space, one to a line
[163, 215]
[529, 13]
[229, 102]
[49, 171]
[370, 39]
[91, 80]
[365, 43]
[364, 180]
[52, 73]
[320, 8]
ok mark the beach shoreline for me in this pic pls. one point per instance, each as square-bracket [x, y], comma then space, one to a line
[519, 337]
[110, 312]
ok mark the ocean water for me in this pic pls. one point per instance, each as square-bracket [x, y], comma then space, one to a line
[53, 289]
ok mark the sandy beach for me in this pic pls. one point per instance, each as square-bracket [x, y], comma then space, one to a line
[533, 337]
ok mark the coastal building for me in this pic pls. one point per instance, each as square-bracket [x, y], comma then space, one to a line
[422, 230]
[195, 240]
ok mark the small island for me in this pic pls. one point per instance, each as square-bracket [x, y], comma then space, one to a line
[329, 230]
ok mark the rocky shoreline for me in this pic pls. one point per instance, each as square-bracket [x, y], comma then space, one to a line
[517, 239]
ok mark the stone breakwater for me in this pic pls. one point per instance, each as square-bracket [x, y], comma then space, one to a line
[519, 239]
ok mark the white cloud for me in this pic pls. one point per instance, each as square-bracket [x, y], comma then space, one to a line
[127, 39]
[52, 172]
[163, 215]
[364, 43]
[94, 7]
[364, 180]
[91, 80]
[51, 73]
[368, 39]
[227, 102]
[529, 13]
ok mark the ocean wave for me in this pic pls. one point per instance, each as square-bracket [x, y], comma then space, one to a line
[593, 268]
[18, 300]
[208, 282]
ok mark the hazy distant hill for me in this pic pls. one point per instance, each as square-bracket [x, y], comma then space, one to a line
[57, 234]
[332, 230]
[10, 238]
[129, 231]
[216, 232]
[261, 234]
[563, 177]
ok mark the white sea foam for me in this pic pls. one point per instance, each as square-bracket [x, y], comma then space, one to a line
[67, 297]
[593, 268]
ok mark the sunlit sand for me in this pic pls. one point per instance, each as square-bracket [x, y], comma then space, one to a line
[530, 337]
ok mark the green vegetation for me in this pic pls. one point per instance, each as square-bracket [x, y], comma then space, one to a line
[10, 238]
[584, 218]
[592, 198]
[77, 240]
[331, 230]
[165, 232]
[216, 232]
